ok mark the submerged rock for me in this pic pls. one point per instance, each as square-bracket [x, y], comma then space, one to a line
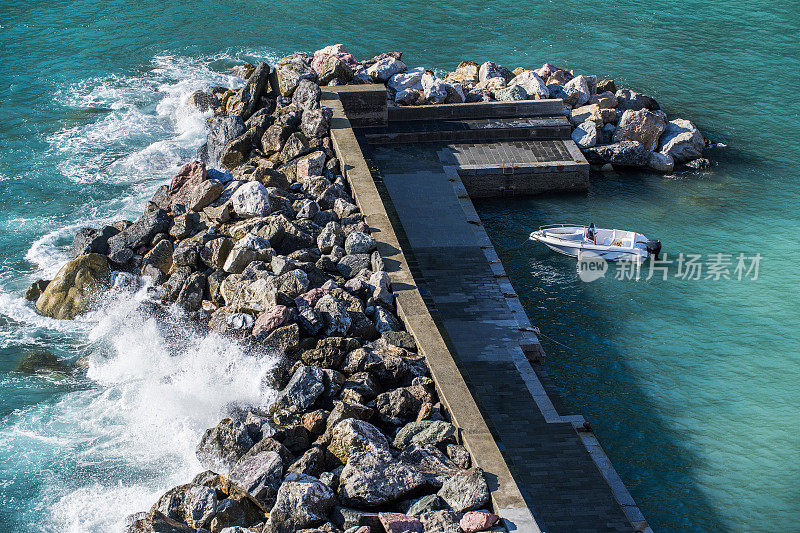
[75, 288]
[40, 361]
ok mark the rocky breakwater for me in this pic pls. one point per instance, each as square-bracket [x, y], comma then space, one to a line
[615, 127]
[269, 249]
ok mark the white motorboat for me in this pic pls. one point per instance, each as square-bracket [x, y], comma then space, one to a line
[608, 244]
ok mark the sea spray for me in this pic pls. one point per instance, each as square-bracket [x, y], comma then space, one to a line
[154, 384]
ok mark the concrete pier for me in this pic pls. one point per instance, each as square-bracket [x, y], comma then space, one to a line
[546, 469]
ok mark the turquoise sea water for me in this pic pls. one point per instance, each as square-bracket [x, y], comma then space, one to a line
[691, 385]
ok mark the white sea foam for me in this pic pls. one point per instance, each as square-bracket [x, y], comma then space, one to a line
[114, 448]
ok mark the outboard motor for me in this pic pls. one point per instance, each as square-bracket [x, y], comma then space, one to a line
[653, 247]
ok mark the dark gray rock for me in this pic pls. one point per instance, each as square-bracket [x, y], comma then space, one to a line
[397, 406]
[303, 502]
[246, 100]
[311, 463]
[624, 154]
[36, 289]
[306, 95]
[295, 146]
[373, 478]
[141, 232]
[303, 389]
[259, 476]
[350, 265]
[191, 294]
[431, 462]
[223, 130]
[191, 504]
[92, 241]
[223, 445]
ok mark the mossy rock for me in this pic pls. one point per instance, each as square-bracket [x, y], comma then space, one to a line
[75, 288]
[42, 361]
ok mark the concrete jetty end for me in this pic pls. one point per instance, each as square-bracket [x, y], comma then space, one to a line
[412, 171]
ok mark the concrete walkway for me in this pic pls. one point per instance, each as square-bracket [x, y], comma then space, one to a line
[472, 301]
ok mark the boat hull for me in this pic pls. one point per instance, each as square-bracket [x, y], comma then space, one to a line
[571, 241]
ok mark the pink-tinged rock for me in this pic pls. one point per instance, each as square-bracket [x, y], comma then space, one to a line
[270, 320]
[337, 50]
[475, 521]
[548, 70]
[310, 165]
[188, 177]
[395, 55]
[363, 529]
[310, 298]
[400, 523]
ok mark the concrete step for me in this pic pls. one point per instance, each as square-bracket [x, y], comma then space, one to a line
[470, 130]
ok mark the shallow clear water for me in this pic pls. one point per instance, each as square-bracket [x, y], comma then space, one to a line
[691, 385]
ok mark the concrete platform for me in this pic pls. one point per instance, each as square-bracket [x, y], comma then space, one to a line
[546, 472]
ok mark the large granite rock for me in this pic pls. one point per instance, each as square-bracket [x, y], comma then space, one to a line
[223, 129]
[534, 86]
[512, 93]
[627, 99]
[623, 153]
[337, 51]
[643, 126]
[382, 70]
[75, 288]
[467, 72]
[585, 135]
[223, 445]
[352, 435]
[246, 100]
[577, 91]
[258, 475]
[303, 502]
[432, 432]
[410, 79]
[374, 478]
[290, 70]
[191, 504]
[305, 386]
[681, 140]
[465, 491]
[251, 200]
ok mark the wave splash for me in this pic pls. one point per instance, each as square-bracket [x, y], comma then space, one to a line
[155, 385]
